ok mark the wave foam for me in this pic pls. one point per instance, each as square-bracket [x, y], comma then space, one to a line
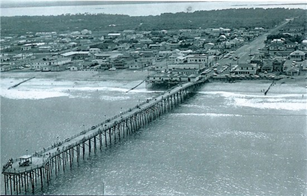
[206, 114]
[37, 94]
[49, 88]
[248, 134]
[112, 98]
[285, 104]
[287, 101]
[254, 95]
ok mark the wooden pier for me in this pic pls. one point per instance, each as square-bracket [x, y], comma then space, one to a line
[32, 172]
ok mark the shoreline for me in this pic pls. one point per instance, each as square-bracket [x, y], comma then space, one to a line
[71, 84]
[80, 75]
[283, 86]
[71, 116]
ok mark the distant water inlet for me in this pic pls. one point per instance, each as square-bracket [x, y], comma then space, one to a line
[31, 172]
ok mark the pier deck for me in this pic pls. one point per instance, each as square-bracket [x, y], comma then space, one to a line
[48, 162]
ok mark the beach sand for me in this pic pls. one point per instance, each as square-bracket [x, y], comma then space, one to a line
[127, 79]
[297, 85]
[125, 75]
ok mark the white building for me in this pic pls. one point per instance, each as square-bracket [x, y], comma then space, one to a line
[197, 59]
[43, 63]
[95, 50]
[297, 55]
[246, 69]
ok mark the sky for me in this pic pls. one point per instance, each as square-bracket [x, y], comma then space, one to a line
[23, 2]
[264, 1]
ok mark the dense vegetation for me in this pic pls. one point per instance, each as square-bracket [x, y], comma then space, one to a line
[286, 37]
[230, 18]
[290, 32]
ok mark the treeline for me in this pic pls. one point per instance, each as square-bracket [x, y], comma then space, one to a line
[230, 18]
[290, 32]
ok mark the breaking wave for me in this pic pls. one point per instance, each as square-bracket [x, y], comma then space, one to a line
[271, 103]
[287, 101]
[48, 88]
[205, 114]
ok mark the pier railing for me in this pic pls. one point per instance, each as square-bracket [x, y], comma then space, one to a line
[53, 160]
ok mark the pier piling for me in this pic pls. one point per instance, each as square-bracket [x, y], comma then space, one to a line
[48, 163]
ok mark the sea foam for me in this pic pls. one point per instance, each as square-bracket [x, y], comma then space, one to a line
[49, 88]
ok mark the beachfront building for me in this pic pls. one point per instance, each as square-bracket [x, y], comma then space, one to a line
[186, 68]
[102, 57]
[55, 63]
[291, 68]
[278, 64]
[250, 69]
[118, 63]
[6, 67]
[267, 66]
[297, 55]
[304, 65]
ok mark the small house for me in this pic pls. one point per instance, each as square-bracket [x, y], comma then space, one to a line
[267, 66]
[297, 55]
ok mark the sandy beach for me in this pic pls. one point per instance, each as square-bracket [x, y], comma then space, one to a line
[126, 75]
[296, 85]
[227, 121]
[55, 84]
[133, 75]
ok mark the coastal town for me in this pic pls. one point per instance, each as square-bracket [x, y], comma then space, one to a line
[170, 56]
[181, 103]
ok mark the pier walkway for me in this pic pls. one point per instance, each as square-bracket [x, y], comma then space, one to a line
[29, 172]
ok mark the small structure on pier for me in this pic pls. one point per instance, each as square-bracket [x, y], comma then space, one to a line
[24, 174]
[25, 160]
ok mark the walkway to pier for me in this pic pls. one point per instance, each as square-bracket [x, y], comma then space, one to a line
[30, 171]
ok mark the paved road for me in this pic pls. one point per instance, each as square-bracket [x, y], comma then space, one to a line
[251, 48]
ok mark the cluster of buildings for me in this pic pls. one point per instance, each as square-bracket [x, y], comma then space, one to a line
[129, 49]
[286, 54]
[174, 55]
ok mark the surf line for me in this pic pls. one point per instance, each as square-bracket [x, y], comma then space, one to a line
[14, 86]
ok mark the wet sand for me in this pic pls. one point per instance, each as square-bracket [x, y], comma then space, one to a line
[127, 75]
[287, 85]
[40, 122]
[127, 79]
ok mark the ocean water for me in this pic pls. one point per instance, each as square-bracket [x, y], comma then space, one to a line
[145, 9]
[218, 142]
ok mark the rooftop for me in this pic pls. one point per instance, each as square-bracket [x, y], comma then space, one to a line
[74, 52]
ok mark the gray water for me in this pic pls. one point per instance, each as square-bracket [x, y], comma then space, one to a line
[144, 9]
[216, 143]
